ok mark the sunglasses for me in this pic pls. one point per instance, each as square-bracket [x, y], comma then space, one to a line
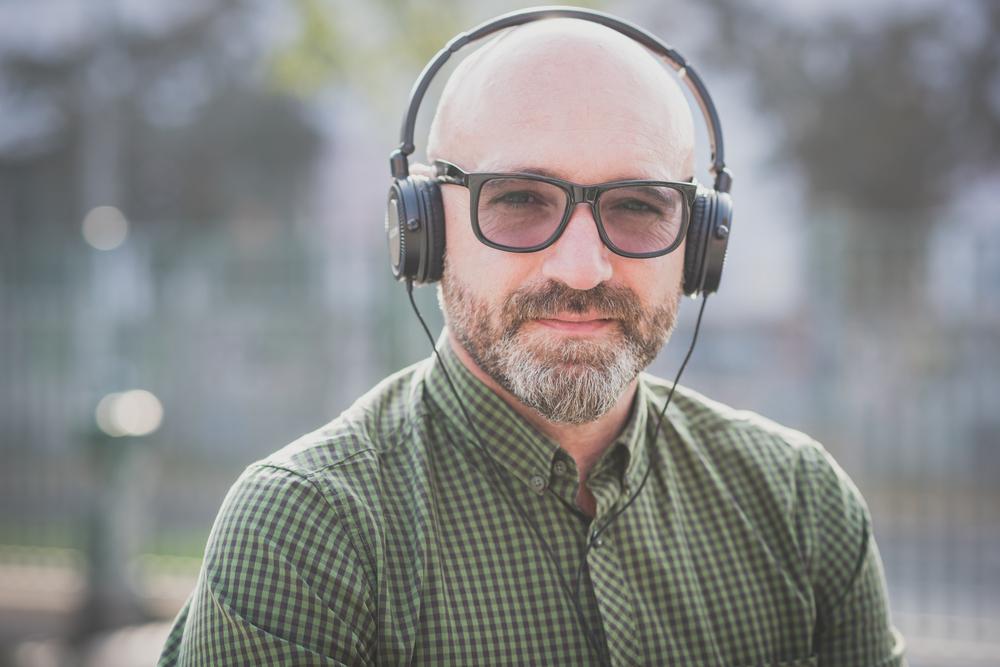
[524, 212]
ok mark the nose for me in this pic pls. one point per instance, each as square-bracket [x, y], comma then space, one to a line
[579, 259]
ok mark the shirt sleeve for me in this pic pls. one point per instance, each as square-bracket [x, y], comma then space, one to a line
[281, 583]
[853, 627]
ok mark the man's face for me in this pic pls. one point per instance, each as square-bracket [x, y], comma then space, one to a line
[565, 329]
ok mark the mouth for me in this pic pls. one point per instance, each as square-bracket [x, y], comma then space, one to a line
[576, 324]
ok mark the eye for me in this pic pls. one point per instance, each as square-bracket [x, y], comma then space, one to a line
[516, 198]
[637, 206]
[645, 201]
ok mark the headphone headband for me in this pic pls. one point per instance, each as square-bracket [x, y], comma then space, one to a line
[399, 162]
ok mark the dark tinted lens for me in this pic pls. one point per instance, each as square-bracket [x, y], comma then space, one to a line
[642, 218]
[519, 212]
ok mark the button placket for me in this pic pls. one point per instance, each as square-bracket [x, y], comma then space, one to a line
[614, 599]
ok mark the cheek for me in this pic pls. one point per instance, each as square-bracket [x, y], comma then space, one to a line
[460, 241]
[458, 228]
[655, 281]
[674, 272]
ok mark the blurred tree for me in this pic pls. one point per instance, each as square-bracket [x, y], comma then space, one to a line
[373, 47]
[886, 120]
[369, 47]
[163, 113]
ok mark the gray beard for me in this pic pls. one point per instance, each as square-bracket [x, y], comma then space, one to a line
[557, 384]
[566, 380]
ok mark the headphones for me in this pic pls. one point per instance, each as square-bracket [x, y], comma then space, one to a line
[414, 218]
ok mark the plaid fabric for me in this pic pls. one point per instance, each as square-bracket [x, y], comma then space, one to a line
[381, 539]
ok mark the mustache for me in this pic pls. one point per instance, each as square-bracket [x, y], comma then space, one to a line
[615, 302]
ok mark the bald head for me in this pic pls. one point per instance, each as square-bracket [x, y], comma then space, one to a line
[566, 91]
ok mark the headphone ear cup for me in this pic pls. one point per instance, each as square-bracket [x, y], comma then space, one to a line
[401, 217]
[694, 246]
[432, 264]
[414, 225]
[707, 240]
[717, 241]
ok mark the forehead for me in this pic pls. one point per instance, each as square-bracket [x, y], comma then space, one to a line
[575, 98]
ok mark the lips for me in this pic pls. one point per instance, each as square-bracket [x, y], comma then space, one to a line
[576, 324]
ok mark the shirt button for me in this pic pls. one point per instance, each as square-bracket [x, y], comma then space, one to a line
[538, 483]
[596, 540]
[559, 467]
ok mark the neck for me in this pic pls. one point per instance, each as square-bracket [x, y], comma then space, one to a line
[585, 443]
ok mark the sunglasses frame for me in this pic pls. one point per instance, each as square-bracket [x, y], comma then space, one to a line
[451, 174]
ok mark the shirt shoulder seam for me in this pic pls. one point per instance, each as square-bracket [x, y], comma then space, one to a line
[351, 526]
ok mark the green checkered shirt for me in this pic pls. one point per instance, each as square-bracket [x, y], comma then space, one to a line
[384, 538]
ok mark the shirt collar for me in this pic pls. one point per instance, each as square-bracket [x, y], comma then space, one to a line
[634, 437]
[515, 444]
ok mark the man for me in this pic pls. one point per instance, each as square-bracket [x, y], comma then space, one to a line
[447, 517]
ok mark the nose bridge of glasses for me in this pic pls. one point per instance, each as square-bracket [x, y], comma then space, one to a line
[586, 195]
[580, 194]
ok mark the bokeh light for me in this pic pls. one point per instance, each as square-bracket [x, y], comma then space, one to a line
[136, 412]
[105, 228]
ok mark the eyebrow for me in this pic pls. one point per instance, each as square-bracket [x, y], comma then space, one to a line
[526, 169]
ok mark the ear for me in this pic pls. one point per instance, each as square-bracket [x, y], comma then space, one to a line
[421, 169]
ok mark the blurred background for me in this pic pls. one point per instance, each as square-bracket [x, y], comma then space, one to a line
[193, 273]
